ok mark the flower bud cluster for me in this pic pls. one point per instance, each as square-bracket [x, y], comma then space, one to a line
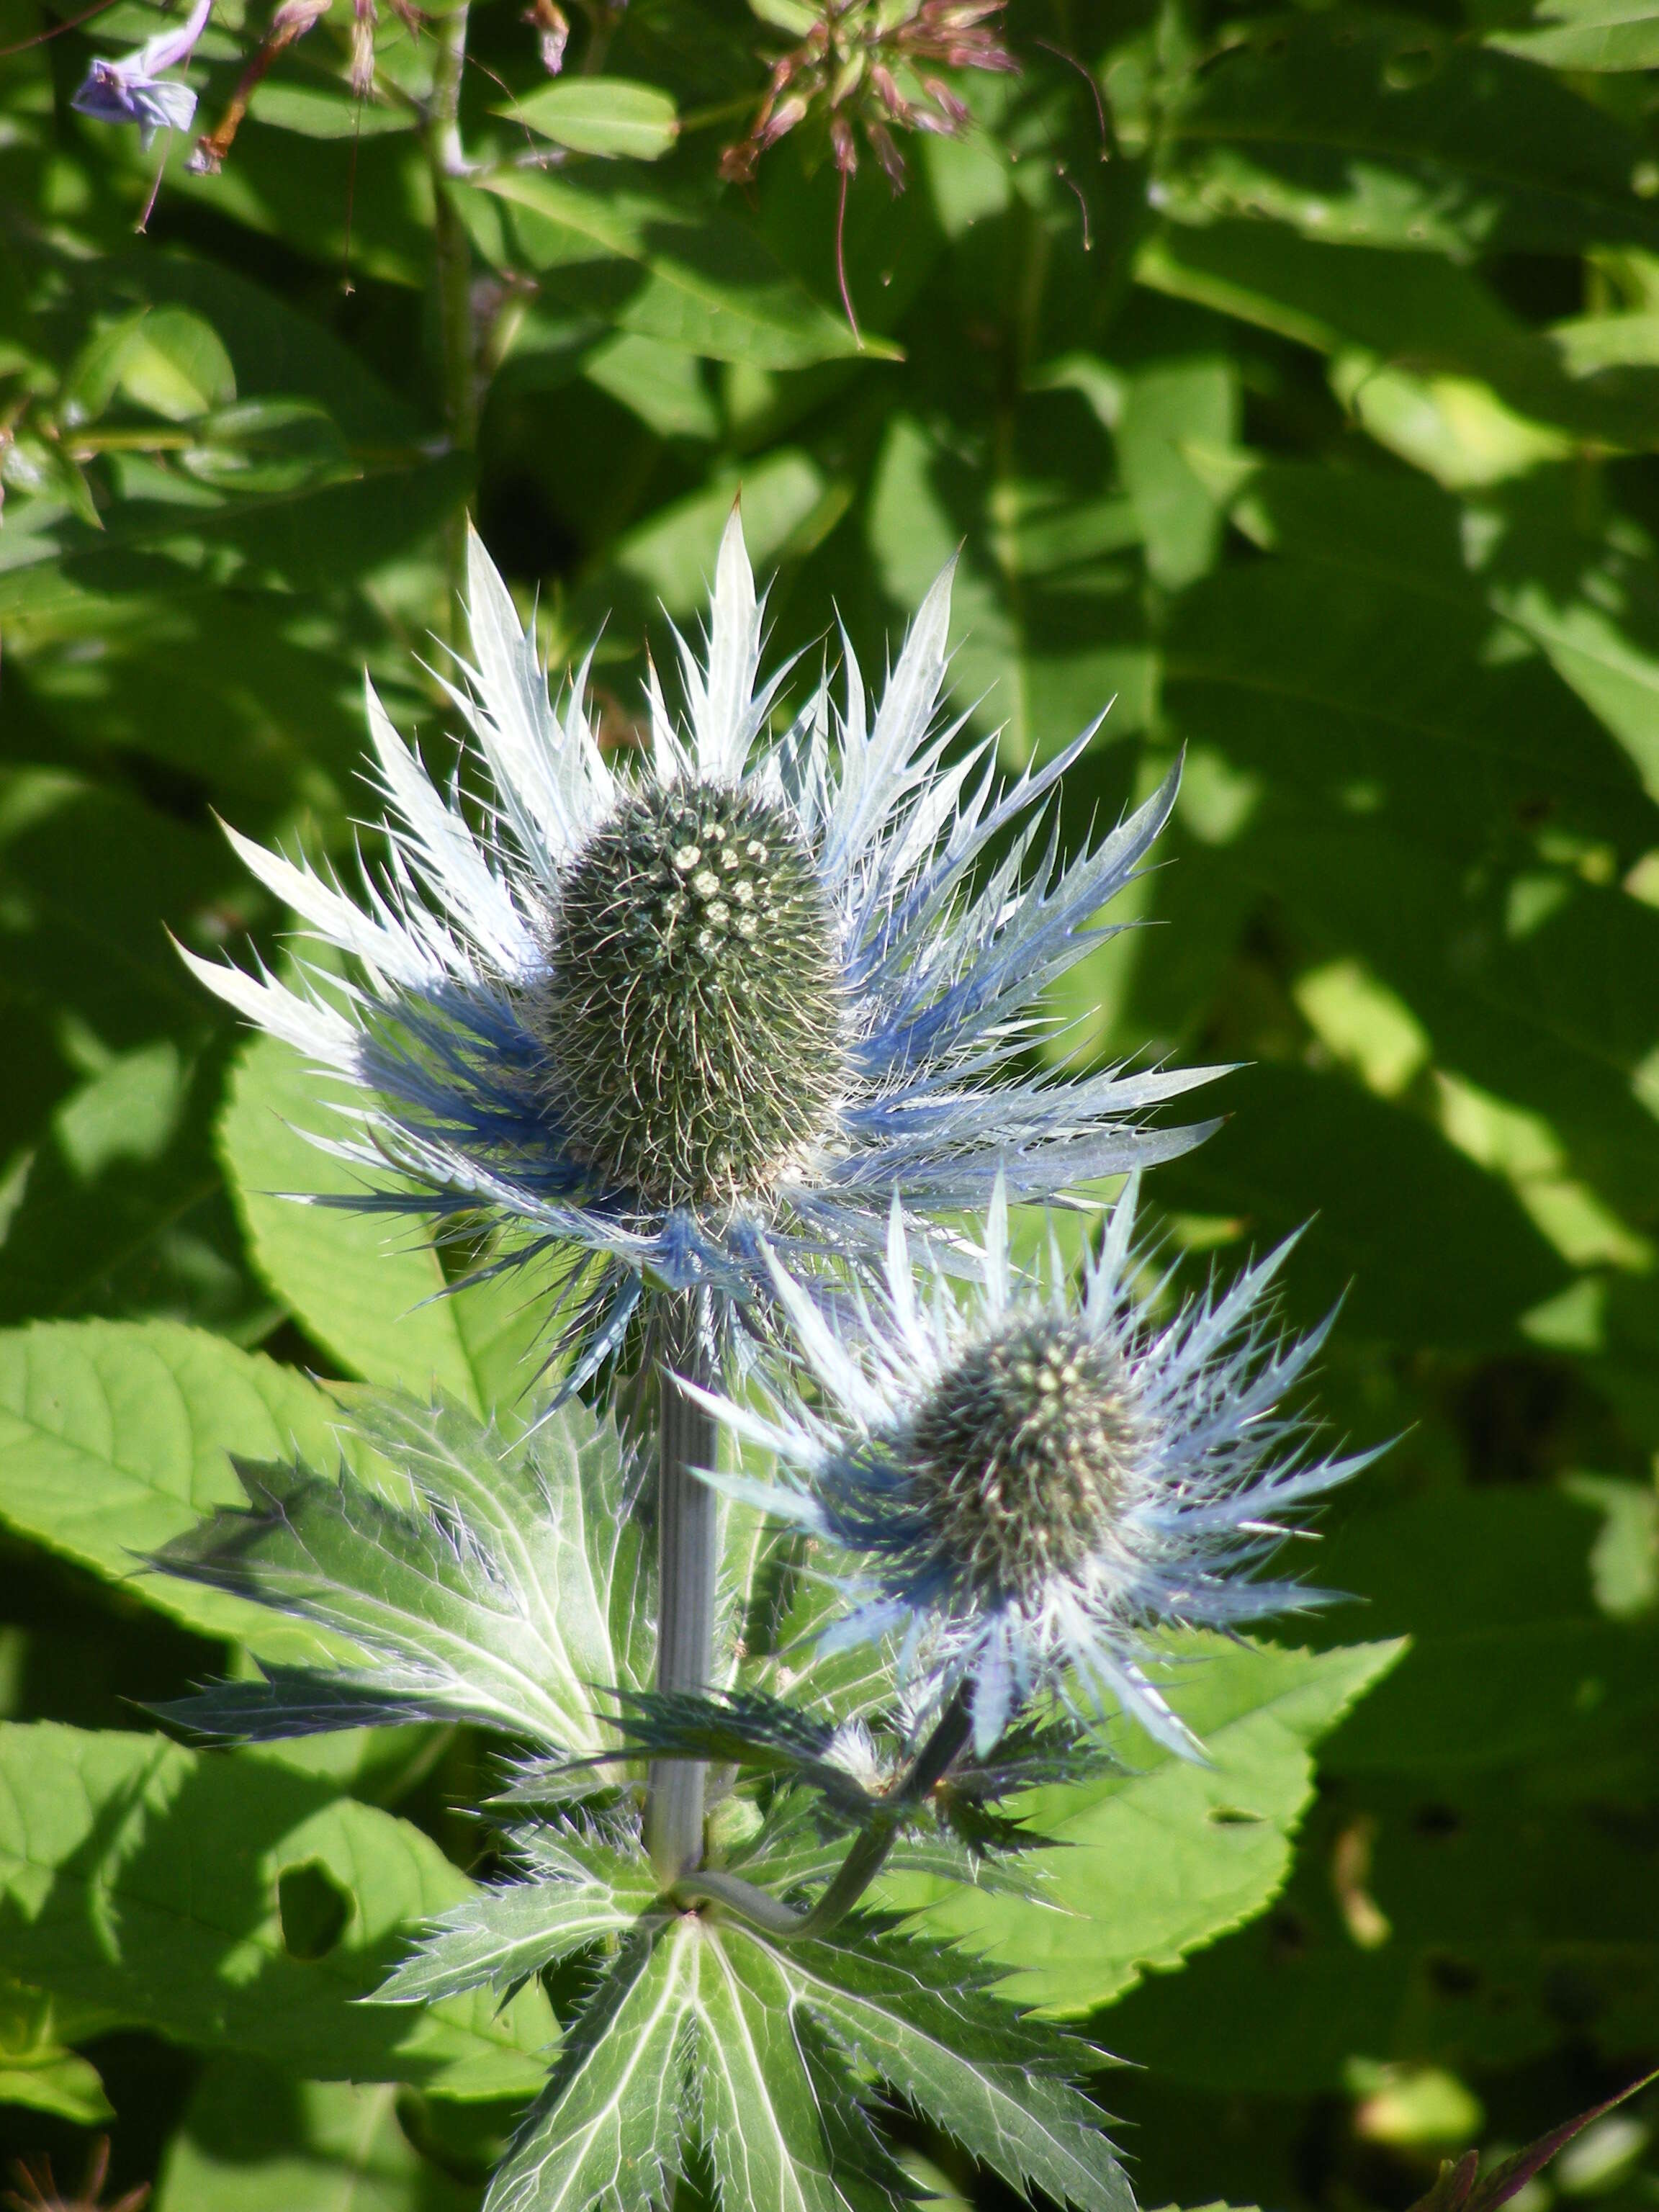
[869, 66]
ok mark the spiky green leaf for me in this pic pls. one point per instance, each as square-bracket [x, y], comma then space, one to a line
[767, 2054]
[513, 1584]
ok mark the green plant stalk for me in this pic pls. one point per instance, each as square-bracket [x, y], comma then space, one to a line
[866, 1855]
[451, 258]
[688, 1536]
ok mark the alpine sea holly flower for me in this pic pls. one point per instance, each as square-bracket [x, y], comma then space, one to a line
[650, 1015]
[133, 91]
[1034, 1482]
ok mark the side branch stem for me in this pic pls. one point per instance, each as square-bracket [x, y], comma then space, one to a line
[688, 1532]
[866, 1856]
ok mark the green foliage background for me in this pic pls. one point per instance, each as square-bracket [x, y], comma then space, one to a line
[1291, 377]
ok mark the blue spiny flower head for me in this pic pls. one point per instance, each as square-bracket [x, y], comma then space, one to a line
[1031, 1482]
[744, 990]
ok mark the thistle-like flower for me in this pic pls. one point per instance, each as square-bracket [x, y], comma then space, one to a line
[1033, 1483]
[652, 1016]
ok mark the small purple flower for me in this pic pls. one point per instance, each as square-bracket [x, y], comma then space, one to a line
[130, 91]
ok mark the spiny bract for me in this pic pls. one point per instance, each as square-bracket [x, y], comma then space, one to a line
[564, 1020]
[1032, 1482]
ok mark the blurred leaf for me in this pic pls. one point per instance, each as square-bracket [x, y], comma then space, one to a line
[1163, 1854]
[605, 115]
[173, 364]
[1164, 408]
[1586, 35]
[275, 349]
[664, 386]
[121, 1209]
[673, 555]
[253, 2141]
[141, 1880]
[298, 539]
[320, 110]
[1380, 1188]
[1498, 1921]
[267, 445]
[1624, 1557]
[370, 1288]
[35, 2068]
[1047, 618]
[1409, 331]
[1361, 125]
[1510, 1659]
[90, 880]
[701, 281]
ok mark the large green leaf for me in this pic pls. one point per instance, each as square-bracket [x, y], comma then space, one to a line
[1160, 1855]
[700, 280]
[1430, 325]
[308, 539]
[121, 1208]
[255, 2140]
[115, 1438]
[371, 1290]
[1513, 1661]
[1361, 125]
[229, 1902]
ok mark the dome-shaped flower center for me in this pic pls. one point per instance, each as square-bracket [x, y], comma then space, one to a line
[692, 1011]
[1020, 1454]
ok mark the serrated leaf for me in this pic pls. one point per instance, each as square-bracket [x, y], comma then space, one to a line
[371, 1290]
[142, 1881]
[1163, 1854]
[499, 1937]
[608, 2129]
[919, 2016]
[759, 2105]
[115, 1438]
[511, 1588]
[704, 2032]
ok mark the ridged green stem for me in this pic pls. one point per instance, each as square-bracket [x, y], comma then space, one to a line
[688, 1531]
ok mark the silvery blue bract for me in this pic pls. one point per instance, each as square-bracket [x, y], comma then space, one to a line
[1031, 1482]
[745, 990]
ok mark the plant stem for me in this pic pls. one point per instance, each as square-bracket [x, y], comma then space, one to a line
[452, 264]
[688, 1529]
[866, 1856]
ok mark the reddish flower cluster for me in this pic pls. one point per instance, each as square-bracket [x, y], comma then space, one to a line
[868, 65]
